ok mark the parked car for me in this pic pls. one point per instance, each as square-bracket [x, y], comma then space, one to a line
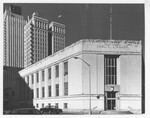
[25, 111]
[51, 110]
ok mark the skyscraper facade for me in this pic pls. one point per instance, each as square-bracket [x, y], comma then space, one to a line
[36, 39]
[56, 37]
[13, 37]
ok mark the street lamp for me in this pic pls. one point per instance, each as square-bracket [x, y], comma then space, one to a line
[89, 82]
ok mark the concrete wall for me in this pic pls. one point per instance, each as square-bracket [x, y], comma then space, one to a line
[100, 74]
[74, 102]
[74, 76]
[97, 73]
[96, 62]
[130, 71]
[130, 82]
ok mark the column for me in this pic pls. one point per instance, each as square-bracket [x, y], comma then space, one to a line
[46, 82]
[53, 81]
[25, 87]
[61, 79]
[30, 87]
[40, 84]
[53, 43]
[118, 83]
[118, 70]
[34, 86]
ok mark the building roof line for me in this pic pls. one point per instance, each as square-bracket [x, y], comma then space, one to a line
[53, 22]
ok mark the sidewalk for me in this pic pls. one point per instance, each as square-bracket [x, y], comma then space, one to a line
[96, 112]
[81, 111]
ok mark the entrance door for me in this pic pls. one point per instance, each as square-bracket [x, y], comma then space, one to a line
[110, 100]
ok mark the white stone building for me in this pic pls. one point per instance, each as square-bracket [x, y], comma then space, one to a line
[64, 81]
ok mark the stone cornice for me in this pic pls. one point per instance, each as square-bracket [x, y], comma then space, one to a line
[112, 45]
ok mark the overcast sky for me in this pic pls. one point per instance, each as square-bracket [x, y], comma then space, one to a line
[92, 20]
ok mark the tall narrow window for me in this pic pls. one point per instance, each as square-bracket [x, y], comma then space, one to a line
[42, 105]
[37, 77]
[65, 105]
[49, 91]
[49, 73]
[56, 104]
[43, 91]
[37, 105]
[65, 68]
[43, 75]
[49, 104]
[111, 69]
[32, 79]
[66, 88]
[57, 89]
[28, 80]
[37, 92]
[57, 71]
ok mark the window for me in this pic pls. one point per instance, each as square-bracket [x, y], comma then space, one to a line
[49, 73]
[49, 104]
[65, 105]
[28, 80]
[57, 89]
[37, 105]
[56, 104]
[32, 79]
[37, 76]
[66, 68]
[37, 92]
[111, 69]
[43, 91]
[42, 105]
[49, 91]
[39, 24]
[66, 88]
[57, 71]
[43, 75]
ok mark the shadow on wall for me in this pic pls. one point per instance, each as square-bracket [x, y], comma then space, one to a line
[16, 92]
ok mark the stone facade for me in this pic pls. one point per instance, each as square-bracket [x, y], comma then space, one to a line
[124, 58]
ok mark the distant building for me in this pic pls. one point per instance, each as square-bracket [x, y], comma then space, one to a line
[13, 58]
[62, 80]
[36, 39]
[13, 37]
[41, 40]
[56, 37]
[14, 86]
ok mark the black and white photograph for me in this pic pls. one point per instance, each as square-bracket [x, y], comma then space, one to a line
[73, 59]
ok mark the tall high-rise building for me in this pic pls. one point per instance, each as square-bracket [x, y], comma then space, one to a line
[13, 37]
[56, 37]
[36, 39]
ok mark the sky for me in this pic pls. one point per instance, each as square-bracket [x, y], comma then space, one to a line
[91, 21]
